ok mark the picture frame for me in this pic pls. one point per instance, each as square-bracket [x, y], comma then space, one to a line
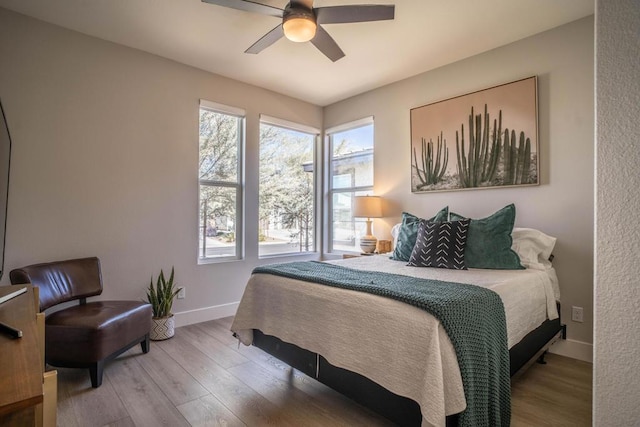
[483, 139]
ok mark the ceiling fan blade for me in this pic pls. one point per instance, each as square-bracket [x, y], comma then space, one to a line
[267, 40]
[327, 45]
[248, 6]
[354, 13]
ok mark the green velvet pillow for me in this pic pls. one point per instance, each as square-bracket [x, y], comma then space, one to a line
[489, 241]
[409, 232]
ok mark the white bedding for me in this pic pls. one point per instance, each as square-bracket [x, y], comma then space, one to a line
[399, 346]
[529, 296]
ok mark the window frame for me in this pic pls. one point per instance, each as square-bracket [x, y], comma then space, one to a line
[330, 191]
[239, 114]
[317, 190]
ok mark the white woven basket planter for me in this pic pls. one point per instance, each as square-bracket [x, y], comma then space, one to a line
[162, 328]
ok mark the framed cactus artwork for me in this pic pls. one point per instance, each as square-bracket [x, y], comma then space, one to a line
[484, 139]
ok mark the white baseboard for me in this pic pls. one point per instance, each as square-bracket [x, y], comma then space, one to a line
[574, 349]
[185, 318]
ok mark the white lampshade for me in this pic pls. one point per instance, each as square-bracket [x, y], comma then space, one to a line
[299, 29]
[367, 207]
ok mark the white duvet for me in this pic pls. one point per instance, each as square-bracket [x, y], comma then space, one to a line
[529, 296]
[400, 347]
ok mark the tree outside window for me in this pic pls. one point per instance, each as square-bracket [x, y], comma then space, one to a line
[287, 191]
[220, 139]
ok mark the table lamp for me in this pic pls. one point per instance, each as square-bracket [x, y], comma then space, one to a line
[367, 207]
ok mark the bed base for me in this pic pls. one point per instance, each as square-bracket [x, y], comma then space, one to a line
[401, 410]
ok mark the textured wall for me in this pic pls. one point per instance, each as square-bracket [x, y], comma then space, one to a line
[562, 205]
[617, 289]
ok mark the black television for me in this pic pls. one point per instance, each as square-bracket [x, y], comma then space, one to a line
[5, 161]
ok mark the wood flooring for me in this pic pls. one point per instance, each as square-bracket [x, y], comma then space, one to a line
[201, 378]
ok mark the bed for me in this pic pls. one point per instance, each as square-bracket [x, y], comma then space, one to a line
[384, 353]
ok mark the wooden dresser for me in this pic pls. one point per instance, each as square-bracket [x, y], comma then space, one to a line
[28, 395]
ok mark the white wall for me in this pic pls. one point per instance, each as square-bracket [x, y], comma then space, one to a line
[563, 204]
[617, 289]
[105, 159]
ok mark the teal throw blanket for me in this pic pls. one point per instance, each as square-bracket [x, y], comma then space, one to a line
[472, 316]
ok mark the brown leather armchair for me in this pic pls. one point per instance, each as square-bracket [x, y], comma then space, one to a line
[91, 333]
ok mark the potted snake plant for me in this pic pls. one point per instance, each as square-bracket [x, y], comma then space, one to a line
[161, 299]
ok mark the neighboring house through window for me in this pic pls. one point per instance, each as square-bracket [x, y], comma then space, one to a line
[350, 174]
[287, 208]
[221, 139]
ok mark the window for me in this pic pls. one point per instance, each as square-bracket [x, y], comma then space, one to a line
[287, 188]
[221, 141]
[351, 174]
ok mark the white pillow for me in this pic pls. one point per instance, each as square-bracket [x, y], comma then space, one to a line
[395, 230]
[533, 247]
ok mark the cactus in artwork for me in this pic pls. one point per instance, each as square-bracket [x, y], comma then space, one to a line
[432, 169]
[491, 163]
[517, 158]
[480, 163]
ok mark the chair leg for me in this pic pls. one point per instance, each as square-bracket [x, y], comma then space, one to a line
[145, 344]
[95, 372]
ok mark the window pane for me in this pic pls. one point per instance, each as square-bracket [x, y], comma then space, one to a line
[352, 158]
[351, 174]
[217, 221]
[286, 192]
[220, 223]
[346, 230]
[219, 136]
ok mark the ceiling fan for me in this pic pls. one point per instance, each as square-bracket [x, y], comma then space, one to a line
[301, 21]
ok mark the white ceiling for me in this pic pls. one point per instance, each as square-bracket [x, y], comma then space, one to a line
[425, 34]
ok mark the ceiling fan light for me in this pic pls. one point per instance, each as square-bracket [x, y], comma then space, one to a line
[299, 29]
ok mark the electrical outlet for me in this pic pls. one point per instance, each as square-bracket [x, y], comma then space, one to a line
[577, 314]
[181, 292]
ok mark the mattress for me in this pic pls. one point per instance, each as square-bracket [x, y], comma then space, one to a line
[400, 347]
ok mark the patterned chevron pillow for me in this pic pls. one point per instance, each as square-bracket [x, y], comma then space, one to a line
[440, 244]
